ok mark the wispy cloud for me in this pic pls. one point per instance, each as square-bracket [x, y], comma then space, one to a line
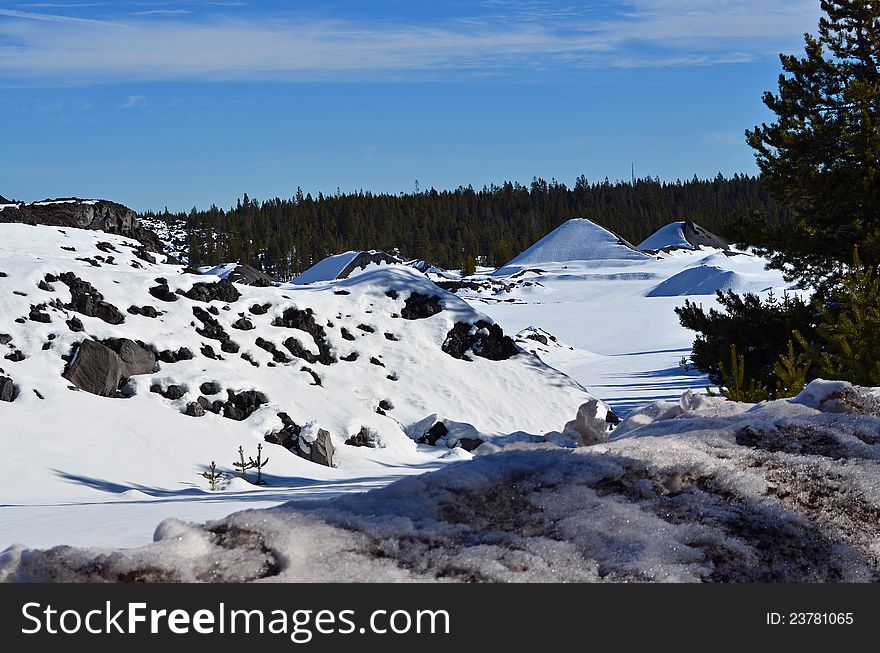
[163, 44]
[133, 101]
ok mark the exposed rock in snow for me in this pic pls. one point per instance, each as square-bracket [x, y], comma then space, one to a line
[239, 273]
[103, 215]
[96, 369]
[7, 389]
[682, 235]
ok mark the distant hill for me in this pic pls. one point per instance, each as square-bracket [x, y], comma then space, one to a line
[682, 235]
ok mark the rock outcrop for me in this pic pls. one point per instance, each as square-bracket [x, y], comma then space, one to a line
[77, 213]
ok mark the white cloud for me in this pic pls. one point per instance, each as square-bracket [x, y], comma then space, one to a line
[133, 101]
[44, 48]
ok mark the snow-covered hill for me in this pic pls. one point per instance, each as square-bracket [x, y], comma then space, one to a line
[575, 240]
[682, 235]
[127, 377]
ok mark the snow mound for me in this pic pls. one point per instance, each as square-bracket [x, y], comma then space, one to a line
[342, 266]
[774, 492]
[575, 240]
[682, 235]
[700, 280]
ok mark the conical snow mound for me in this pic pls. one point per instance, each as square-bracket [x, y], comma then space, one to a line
[682, 235]
[575, 240]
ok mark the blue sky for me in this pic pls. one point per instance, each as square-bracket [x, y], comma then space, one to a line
[188, 103]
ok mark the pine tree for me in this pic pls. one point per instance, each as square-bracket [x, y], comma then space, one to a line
[258, 464]
[243, 465]
[212, 475]
[470, 266]
[821, 157]
[850, 328]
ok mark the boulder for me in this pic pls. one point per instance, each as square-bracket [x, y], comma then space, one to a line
[322, 451]
[85, 299]
[96, 369]
[209, 388]
[221, 290]
[7, 389]
[419, 306]
[137, 358]
[249, 276]
[483, 339]
[195, 409]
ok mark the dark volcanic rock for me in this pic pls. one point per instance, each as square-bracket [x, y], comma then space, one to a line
[100, 215]
[419, 306]
[209, 388]
[75, 325]
[7, 389]
[437, 431]
[195, 409]
[138, 358]
[363, 438]
[85, 299]
[162, 292]
[293, 318]
[483, 339]
[243, 324]
[96, 369]
[241, 405]
[146, 311]
[469, 444]
[277, 355]
[221, 290]
[182, 354]
[214, 331]
[259, 309]
[249, 276]
[37, 314]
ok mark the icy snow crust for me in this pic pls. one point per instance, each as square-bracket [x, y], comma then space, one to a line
[712, 492]
[90, 470]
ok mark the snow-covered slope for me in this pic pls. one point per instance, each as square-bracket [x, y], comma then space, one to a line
[617, 317]
[682, 235]
[575, 240]
[703, 491]
[375, 361]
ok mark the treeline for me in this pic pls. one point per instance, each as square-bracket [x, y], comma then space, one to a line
[283, 237]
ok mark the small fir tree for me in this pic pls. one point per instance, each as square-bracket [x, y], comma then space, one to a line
[213, 476]
[243, 465]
